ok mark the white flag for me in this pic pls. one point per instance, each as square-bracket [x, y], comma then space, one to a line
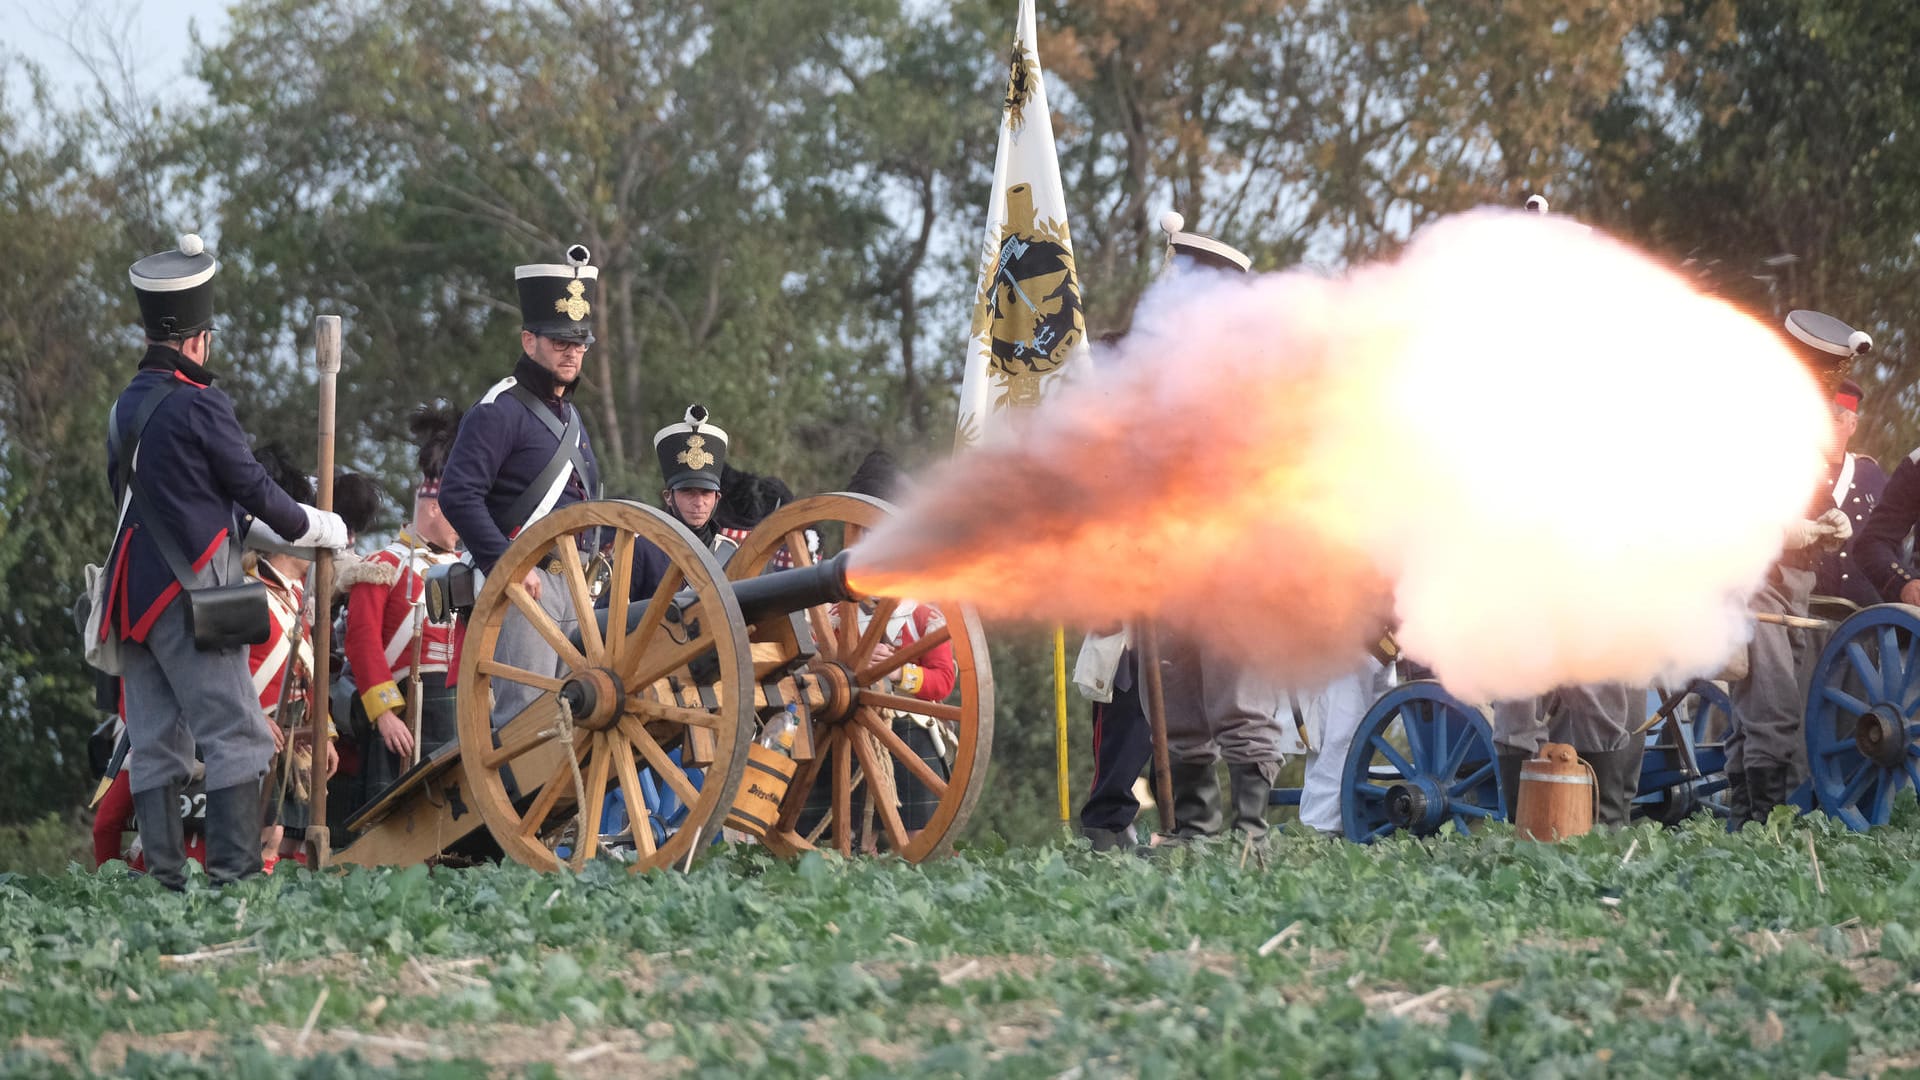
[1029, 330]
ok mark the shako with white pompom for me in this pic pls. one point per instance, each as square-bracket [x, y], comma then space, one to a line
[1195, 251]
[175, 290]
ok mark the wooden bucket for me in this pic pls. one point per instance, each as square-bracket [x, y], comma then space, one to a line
[756, 806]
[1556, 795]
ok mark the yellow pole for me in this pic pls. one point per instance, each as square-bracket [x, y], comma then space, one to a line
[1060, 715]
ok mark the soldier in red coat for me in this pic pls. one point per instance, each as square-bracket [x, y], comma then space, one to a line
[394, 652]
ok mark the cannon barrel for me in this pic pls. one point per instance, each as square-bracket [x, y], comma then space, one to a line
[779, 593]
[786, 591]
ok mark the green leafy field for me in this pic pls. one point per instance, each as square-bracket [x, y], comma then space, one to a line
[1700, 954]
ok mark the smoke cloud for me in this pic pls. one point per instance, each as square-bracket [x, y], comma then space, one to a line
[1540, 454]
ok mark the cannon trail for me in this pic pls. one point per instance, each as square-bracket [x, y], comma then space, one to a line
[1541, 454]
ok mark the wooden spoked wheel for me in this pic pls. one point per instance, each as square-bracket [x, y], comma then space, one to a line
[858, 756]
[630, 693]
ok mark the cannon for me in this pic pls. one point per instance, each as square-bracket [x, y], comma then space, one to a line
[665, 705]
[1416, 757]
[1863, 744]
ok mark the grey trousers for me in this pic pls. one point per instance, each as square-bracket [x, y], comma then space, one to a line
[523, 647]
[1216, 707]
[179, 698]
[1595, 719]
[1769, 706]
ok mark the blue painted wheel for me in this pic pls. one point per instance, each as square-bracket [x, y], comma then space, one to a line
[1860, 729]
[1684, 770]
[1419, 759]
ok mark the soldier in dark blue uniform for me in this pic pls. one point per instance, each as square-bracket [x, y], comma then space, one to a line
[1856, 482]
[1766, 749]
[1880, 551]
[523, 452]
[188, 484]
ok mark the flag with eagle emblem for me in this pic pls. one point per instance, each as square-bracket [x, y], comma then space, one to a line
[1028, 329]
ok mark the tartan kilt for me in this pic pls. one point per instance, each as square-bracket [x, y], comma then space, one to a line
[917, 801]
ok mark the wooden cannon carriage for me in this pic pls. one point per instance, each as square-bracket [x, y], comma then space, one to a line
[673, 697]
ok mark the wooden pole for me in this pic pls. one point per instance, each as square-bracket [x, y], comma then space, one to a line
[1149, 654]
[326, 350]
[1060, 719]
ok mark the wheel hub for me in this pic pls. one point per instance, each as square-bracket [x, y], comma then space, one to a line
[840, 688]
[1881, 736]
[594, 696]
[1417, 805]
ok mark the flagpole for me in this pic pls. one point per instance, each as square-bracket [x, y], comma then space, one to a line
[1060, 716]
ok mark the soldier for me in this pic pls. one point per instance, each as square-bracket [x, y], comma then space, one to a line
[1856, 482]
[745, 500]
[388, 641]
[692, 454]
[1216, 707]
[523, 452]
[179, 461]
[1766, 751]
[1122, 745]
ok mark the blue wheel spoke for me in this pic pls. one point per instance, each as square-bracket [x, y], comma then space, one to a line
[1883, 796]
[1393, 757]
[1892, 674]
[1868, 674]
[1840, 747]
[1414, 724]
[1378, 832]
[1461, 806]
[1913, 750]
[1856, 784]
[1913, 774]
[1442, 751]
[1459, 756]
[1846, 701]
[1479, 776]
[1372, 791]
[1460, 823]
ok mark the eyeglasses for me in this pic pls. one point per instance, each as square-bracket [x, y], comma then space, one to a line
[560, 346]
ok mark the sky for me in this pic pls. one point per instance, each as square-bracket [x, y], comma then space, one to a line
[40, 30]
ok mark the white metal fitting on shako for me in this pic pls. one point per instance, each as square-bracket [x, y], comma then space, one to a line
[175, 290]
[557, 299]
[692, 452]
[1189, 251]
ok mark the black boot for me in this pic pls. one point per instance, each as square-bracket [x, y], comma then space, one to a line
[1104, 840]
[1508, 763]
[233, 832]
[1616, 775]
[1196, 800]
[1251, 786]
[163, 836]
[1766, 789]
[1739, 801]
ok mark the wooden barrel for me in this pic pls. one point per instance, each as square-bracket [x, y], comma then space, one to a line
[757, 804]
[1556, 795]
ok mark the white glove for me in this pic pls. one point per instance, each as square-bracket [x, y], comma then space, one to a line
[261, 537]
[325, 529]
[1804, 534]
[1839, 525]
